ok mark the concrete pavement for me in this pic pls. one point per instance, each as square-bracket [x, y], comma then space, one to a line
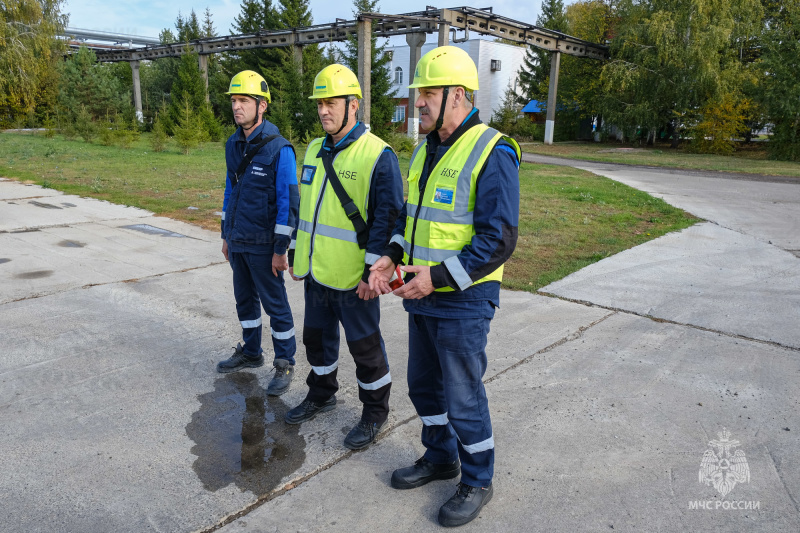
[606, 389]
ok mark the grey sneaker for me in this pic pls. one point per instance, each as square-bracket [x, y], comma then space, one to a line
[284, 372]
[363, 434]
[239, 360]
[308, 410]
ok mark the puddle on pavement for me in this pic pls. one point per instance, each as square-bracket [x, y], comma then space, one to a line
[240, 437]
[36, 274]
[71, 244]
[4, 260]
[67, 204]
[42, 204]
[152, 230]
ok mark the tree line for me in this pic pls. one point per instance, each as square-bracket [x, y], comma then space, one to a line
[704, 72]
[79, 96]
[700, 72]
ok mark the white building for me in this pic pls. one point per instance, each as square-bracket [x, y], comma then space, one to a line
[498, 65]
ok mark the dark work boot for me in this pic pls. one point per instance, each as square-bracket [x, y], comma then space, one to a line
[465, 505]
[308, 410]
[422, 472]
[362, 434]
[239, 360]
[284, 372]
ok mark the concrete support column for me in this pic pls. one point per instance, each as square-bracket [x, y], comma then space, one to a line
[297, 55]
[202, 61]
[549, 125]
[137, 91]
[365, 66]
[415, 42]
[444, 34]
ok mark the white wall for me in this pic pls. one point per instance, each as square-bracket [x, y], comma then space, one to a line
[492, 84]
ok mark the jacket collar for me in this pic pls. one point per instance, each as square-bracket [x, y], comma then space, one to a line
[256, 134]
[433, 141]
[352, 136]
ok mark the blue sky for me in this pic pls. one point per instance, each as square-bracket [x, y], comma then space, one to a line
[148, 17]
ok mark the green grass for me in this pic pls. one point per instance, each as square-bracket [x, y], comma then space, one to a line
[568, 218]
[750, 159]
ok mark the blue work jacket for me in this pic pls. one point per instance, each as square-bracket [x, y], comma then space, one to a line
[385, 195]
[260, 211]
[495, 218]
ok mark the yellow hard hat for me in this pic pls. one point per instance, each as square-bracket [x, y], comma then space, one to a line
[250, 83]
[446, 66]
[336, 80]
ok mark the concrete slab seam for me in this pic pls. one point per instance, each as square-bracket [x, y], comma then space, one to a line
[294, 483]
[780, 476]
[668, 321]
[571, 337]
[90, 285]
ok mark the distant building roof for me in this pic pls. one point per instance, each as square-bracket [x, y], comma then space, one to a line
[534, 106]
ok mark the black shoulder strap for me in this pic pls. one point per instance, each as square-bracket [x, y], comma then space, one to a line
[349, 207]
[248, 158]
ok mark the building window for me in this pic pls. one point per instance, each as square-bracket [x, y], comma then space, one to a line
[496, 65]
[398, 76]
[399, 113]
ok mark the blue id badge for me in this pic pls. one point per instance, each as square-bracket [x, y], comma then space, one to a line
[443, 195]
[307, 176]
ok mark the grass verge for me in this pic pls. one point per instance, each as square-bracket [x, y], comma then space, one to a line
[568, 218]
[751, 159]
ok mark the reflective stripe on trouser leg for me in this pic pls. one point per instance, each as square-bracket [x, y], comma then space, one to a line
[272, 295]
[321, 340]
[372, 374]
[361, 322]
[426, 391]
[461, 347]
[248, 305]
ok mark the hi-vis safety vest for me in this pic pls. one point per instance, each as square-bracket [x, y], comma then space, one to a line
[444, 224]
[326, 244]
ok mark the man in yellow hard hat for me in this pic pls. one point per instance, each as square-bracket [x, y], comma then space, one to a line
[351, 192]
[457, 228]
[259, 215]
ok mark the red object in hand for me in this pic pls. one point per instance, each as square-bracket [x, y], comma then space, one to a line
[397, 279]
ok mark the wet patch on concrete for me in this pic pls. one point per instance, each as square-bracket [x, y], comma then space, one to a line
[240, 437]
[35, 274]
[4, 260]
[71, 244]
[42, 204]
[152, 230]
[67, 204]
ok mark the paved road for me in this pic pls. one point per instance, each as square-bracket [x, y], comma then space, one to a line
[607, 388]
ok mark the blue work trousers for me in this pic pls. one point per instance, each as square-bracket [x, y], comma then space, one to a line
[446, 363]
[255, 285]
[325, 309]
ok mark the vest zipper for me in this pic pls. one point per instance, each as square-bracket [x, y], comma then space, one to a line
[422, 186]
[316, 213]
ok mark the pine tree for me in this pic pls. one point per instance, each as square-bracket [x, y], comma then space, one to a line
[382, 97]
[534, 76]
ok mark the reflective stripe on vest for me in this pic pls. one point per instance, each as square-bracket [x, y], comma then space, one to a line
[444, 224]
[326, 245]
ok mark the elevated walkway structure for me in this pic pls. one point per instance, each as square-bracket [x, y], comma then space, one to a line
[415, 26]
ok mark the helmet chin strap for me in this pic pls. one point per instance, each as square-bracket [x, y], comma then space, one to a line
[346, 113]
[440, 120]
[255, 119]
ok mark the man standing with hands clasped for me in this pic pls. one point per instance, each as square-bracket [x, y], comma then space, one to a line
[457, 228]
[351, 194]
[259, 214]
